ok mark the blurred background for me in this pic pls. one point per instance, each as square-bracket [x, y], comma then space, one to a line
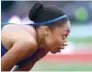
[77, 56]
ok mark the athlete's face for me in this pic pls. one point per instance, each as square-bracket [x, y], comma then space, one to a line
[56, 40]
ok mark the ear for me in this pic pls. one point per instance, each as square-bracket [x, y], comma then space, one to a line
[46, 30]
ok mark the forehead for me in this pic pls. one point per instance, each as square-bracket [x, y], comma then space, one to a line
[67, 25]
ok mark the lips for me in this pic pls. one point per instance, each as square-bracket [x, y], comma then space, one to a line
[62, 47]
[59, 48]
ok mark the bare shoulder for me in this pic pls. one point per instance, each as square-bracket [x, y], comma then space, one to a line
[17, 28]
[11, 33]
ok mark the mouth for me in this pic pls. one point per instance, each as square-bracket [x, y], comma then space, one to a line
[65, 44]
[59, 49]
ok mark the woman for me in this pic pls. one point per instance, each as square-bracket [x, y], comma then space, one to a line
[24, 45]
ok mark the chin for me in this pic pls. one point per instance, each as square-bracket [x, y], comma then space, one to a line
[53, 52]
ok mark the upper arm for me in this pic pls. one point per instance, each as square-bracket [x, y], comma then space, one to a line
[18, 52]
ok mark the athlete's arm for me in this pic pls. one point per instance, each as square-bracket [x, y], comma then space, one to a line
[28, 66]
[18, 52]
[25, 67]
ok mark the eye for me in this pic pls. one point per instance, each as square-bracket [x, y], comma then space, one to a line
[67, 33]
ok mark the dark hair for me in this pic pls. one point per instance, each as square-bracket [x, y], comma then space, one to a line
[40, 13]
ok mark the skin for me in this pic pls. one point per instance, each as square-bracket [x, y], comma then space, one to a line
[22, 41]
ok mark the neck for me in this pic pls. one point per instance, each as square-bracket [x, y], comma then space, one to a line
[40, 40]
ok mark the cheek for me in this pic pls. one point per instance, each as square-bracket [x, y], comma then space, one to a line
[52, 42]
[55, 38]
[57, 41]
